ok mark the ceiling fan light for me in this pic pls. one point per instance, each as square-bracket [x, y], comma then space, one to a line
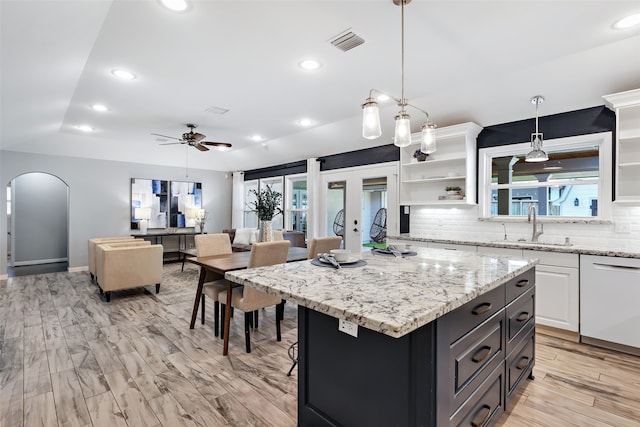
[371, 119]
[428, 138]
[402, 137]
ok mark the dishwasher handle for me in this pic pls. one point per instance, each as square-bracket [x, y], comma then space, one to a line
[627, 268]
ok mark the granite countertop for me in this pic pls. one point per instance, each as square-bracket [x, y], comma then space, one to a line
[629, 252]
[390, 295]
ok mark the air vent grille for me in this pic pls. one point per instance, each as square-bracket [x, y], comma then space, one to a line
[347, 41]
[217, 110]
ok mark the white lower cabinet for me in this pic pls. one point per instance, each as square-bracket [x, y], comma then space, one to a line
[557, 289]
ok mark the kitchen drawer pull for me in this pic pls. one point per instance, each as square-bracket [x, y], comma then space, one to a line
[482, 354]
[522, 316]
[481, 309]
[484, 411]
[522, 363]
[522, 283]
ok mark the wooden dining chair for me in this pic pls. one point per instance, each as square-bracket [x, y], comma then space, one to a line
[208, 245]
[321, 245]
[251, 300]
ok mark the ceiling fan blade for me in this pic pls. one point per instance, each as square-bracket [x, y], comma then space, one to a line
[217, 144]
[201, 147]
[172, 143]
[196, 136]
[166, 136]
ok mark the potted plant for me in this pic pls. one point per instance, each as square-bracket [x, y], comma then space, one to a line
[453, 190]
[266, 205]
[420, 156]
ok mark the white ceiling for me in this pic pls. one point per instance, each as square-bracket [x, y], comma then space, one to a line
[475, 61]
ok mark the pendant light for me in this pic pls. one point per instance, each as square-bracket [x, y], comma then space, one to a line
[537, 154]
[371, 113]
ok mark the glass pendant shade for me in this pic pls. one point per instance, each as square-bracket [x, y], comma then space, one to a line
[371, 120]
[402, 136]
[428, 140]
[537, 154]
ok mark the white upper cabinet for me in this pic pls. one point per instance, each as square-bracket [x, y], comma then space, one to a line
[452, 165]
[627, 162]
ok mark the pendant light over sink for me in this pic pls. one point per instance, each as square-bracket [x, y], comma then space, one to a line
[537, 154]
[371, 113]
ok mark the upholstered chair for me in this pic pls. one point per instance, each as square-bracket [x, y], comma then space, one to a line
[92, 250]
[209, 245]
[321, 245]
[250, 300]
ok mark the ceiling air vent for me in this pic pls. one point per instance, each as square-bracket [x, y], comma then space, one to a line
[347, 41]
[217, 110]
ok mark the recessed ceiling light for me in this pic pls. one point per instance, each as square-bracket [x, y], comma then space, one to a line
[256, 138]
[84, 128]
[382, 97]
[99, 107]
[222, 148]
[305, 122]
[309, 64]
[627, 21]
[175, 5]
[123, 74]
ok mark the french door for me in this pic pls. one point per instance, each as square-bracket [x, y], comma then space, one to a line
[350, 200]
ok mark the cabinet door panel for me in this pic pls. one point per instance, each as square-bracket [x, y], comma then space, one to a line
[557, 290]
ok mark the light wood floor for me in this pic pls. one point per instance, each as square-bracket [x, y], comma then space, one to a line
[69, 359]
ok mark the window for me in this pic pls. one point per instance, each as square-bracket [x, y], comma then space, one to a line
[575, 182]
[296, 203]
[250, 215]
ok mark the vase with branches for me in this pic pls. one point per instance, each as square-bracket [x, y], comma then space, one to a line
[266, 205]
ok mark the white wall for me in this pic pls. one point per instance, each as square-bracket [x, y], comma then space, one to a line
[463, 224]
[99, 196]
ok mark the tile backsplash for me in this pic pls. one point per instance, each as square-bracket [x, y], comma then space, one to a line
[463, 223]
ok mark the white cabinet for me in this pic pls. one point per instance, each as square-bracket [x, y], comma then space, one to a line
[557, 289]
[627, 162]
[500, 251]
[452, 165]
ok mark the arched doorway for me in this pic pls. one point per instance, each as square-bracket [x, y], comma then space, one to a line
[38, 223]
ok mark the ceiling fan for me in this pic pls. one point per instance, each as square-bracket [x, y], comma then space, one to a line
[195, 139]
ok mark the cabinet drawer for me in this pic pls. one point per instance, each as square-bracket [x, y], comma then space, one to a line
[520, 362]
[472, 357]
[461, 320]
[519, 285]
[520, 315]
[485, 406]
[559, 259]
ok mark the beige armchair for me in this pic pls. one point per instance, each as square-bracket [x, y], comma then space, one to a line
[208, 245]
[323, 244]
[250, 300]
[92, 250]
[121, 266]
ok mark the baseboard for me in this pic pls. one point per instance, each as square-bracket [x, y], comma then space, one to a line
[558, 333]
[38, 262]
[78, 269]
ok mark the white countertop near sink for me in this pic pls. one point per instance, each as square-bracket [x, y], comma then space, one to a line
[632, 251]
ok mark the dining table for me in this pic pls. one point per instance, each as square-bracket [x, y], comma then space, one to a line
[221, 264]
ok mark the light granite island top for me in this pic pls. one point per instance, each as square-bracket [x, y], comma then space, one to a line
[446, 338]
[389, 295]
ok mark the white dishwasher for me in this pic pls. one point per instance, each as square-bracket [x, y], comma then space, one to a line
[609, 299]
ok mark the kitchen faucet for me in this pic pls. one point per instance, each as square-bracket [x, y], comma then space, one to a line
[535, 234]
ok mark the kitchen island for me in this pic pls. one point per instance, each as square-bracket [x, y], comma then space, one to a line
[442, 338]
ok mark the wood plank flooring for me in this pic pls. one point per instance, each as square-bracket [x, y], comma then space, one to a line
[67, 358]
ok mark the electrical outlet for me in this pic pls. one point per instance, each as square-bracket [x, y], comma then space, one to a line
[349, 328]
[622, 227]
